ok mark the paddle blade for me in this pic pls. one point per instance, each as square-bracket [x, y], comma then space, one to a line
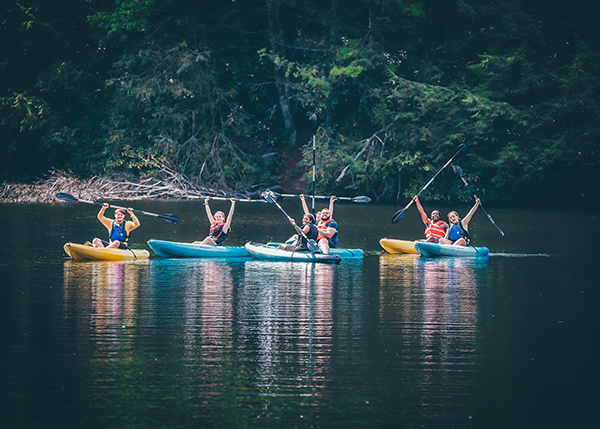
[66, 197]
[313, 246]
[269, 196]
[398, 215]
[361, 199]
[169, 217]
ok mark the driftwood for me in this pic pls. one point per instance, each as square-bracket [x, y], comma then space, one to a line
[165, 183]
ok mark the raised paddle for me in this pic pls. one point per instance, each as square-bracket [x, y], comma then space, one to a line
[271, 198]
[460, 174]
[200, 197]
[359, 199]
[400, 213]
[167, 217]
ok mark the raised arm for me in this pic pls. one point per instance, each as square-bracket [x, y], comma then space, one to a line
[304, 206]
[331, 201]
[424, 217]
[227, 226]
[104, 220]
[134, 223]
[211, 219]
[467, 219]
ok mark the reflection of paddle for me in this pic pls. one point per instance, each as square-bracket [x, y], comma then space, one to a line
[311, 244]
[460, 174]
[400, 213]
[167, 217]
[359, 199]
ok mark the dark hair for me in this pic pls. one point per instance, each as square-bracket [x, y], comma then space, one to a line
[311, 217]
[121, 211]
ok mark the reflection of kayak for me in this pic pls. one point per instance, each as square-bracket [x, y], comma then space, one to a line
[344, 253]
[272, 253]
[173, 249]
[433, 249]
[81, 252]
[394, 246]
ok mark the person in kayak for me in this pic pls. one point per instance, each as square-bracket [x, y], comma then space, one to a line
[458, 231]
[308, 228]
[119, 230]
[328, 230]
[219, 226]
[435, 228]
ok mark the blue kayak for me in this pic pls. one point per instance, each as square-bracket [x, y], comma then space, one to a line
[268, 252]
[173, 249]
[434, 250]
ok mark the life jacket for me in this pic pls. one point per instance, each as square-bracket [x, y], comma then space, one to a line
[457, 231]
[216, 232]
[322, 227]
[118, 232]
[434, 229]
[312, 234]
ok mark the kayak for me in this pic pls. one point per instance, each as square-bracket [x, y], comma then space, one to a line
[173, 249]
[81, 252]
[344, 253]
[272, 253]
[394, 246]
[434, 250]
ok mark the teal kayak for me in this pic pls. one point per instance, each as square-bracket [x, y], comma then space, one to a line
[267, 252]
[434, 250]
[173, 249]
[344, 253]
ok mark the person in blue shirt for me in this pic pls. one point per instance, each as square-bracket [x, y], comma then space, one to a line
[458, 231]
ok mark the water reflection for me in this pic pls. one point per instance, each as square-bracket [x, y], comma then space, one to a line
[285, 317]
[431, 308]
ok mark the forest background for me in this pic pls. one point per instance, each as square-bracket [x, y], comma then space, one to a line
[222, 92]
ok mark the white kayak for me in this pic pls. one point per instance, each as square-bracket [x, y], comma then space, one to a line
[174, 249]
[272, 253]
[433, 250]
[344, 253]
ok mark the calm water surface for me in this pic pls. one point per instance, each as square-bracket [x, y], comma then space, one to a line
[393, 341]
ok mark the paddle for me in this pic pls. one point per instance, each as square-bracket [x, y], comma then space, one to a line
[460, 174]
[359, 199]
[200, 197]
[271, 198]
[167, 217]
[313, 121]
[400, 213]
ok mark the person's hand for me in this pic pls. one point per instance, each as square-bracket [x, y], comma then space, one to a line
[302, 197]
[416, 199]
[232, 200]
[206, 201]
[292, 221]
[105, 206]
[130, 211]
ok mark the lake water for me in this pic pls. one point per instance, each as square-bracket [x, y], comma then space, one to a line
[391, 341]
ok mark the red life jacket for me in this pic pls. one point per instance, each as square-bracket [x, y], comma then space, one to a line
[322, 227]
[434, 229]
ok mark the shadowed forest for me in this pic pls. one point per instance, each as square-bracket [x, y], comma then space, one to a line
[222, 92]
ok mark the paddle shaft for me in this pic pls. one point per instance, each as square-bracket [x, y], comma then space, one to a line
[361, 199]
[399, 214]
[244, 200]
[167, 217]
[477, 198]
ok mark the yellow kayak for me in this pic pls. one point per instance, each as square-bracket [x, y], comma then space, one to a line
[394, 246]
[81, 252]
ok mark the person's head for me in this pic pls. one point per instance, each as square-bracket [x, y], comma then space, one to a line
[453, 217]
[325, 214]
[120, 215]
[219, 216]
[435, 215]
[308, 218]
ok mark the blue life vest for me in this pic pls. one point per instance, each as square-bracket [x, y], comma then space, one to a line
[118, 232]
[457, 231]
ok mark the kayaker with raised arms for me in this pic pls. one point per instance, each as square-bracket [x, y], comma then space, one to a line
[435, 228]
[458, 231]
[119, 230]
[328, 228]
[219, 226]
